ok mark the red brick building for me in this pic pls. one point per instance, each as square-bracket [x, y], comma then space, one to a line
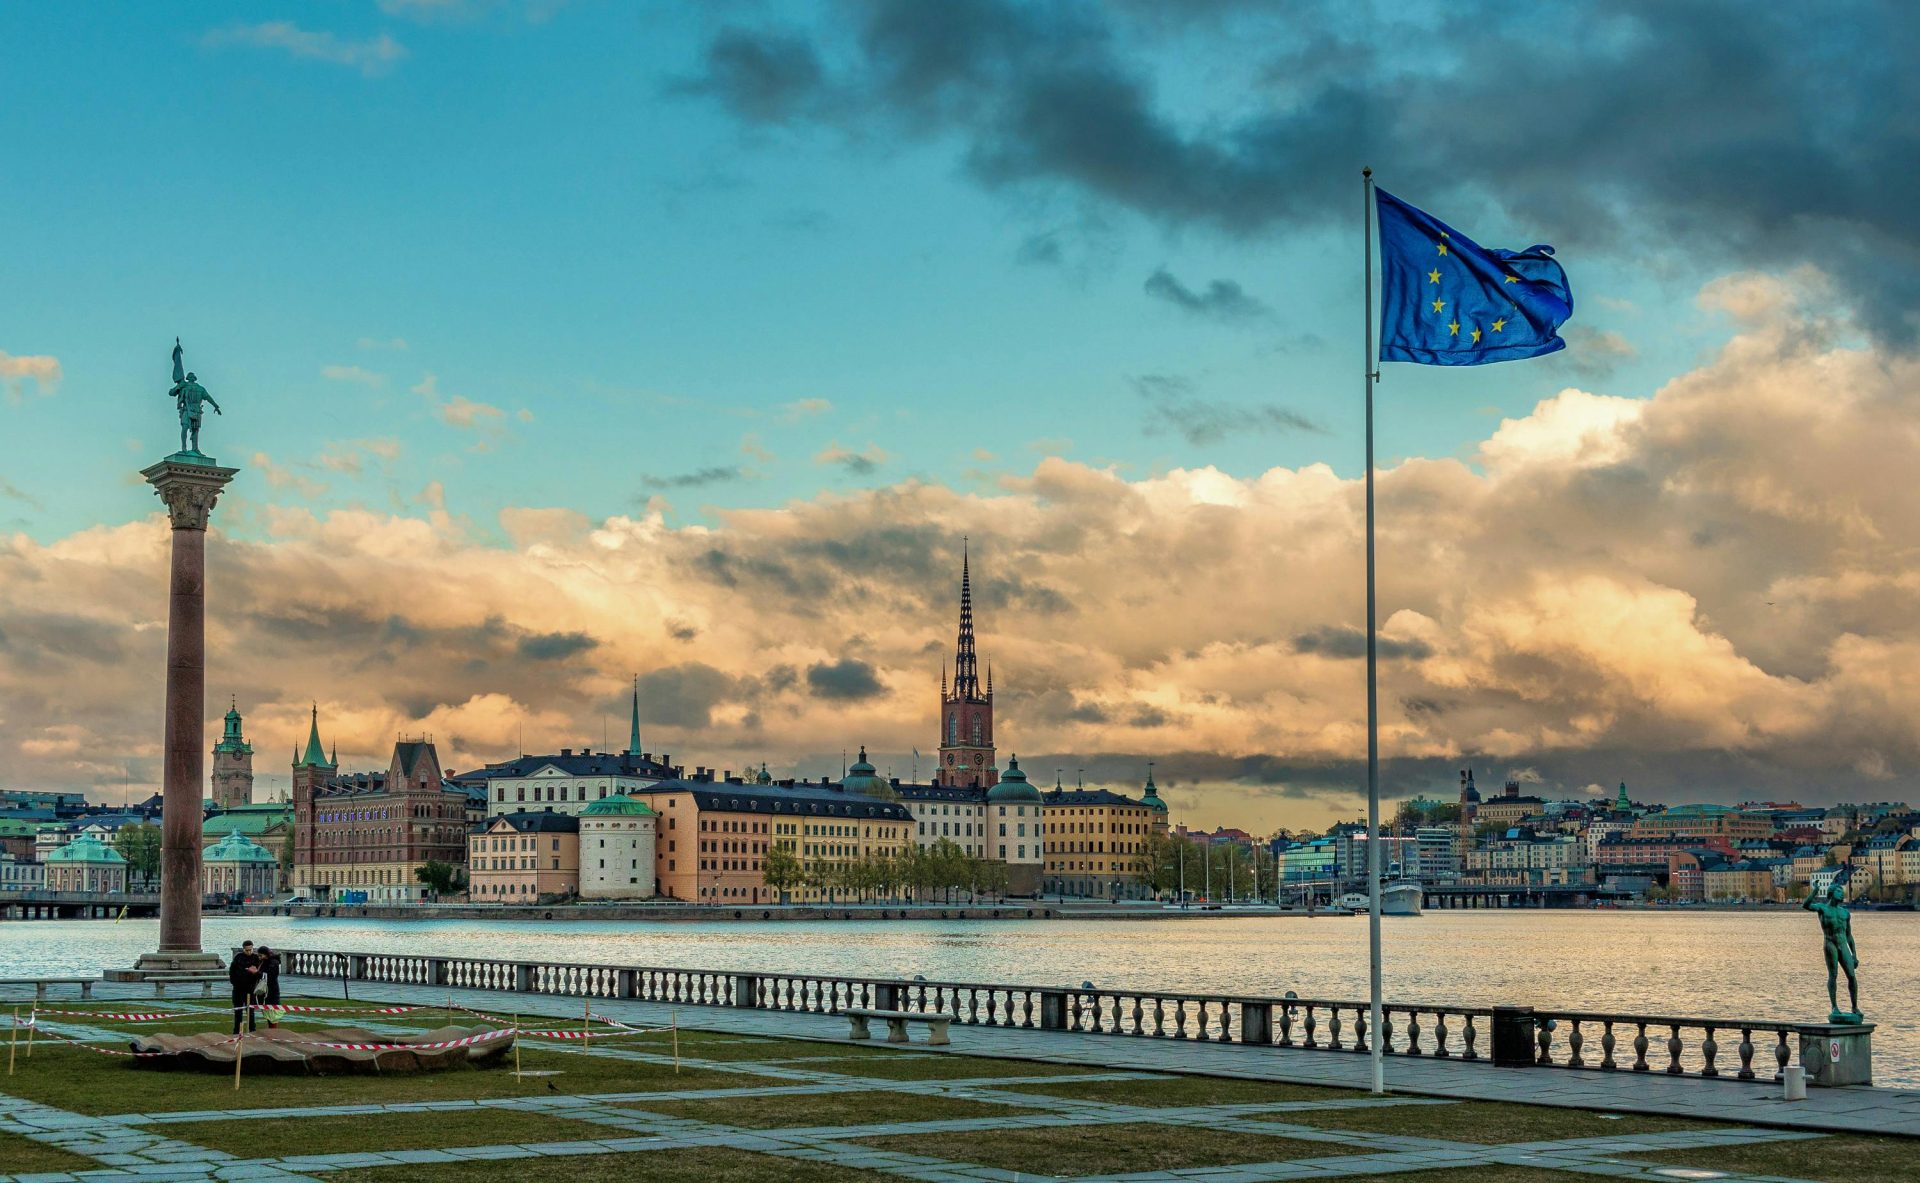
[372, 831]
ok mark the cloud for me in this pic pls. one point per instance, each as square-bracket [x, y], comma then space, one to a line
[846, 680]
[805, 408]
[1046, 99]
[696, 479]
[862, 463]
[1705, 591]
[365, 378]
[1173, 405]
[1223, 300]
[372, 57]
[1593, 354]
[15, 371]
[350, 456]
[461, 411]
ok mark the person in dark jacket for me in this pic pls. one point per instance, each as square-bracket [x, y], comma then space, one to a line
[243, 974]
[270, 983]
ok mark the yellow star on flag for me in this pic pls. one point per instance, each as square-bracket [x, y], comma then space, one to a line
[1439, 304]
[1513, 279]
[1442, 246]
[1498, 325]
[1476, 336]
[1453, 330]
[1433, 276]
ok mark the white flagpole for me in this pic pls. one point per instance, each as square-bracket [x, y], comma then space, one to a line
[1374, 1044]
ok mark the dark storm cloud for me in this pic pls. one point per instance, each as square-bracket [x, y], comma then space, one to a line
[683, 695]
[554, 646]
[848, 679]
[1728, 132]
[1345, 641]
[1223, 300]
[1172, 405]
[696, 479]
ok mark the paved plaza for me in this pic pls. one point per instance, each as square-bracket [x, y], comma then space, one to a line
[928, 1114]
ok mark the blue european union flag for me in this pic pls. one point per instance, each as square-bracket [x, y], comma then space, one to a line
[1447, 301]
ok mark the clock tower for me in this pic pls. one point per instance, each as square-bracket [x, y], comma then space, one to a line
[966, 712]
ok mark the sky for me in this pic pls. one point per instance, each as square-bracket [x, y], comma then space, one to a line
[560, 344]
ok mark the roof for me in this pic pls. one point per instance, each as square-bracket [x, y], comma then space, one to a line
[85, 849]
[407, 753]
[810, 799]
[248, 819]
[576, 764]
[1013, 787]
[540, 822]
[939, 792]
[862, 779]
[1064, 798]
[618, 806]
[238, 848]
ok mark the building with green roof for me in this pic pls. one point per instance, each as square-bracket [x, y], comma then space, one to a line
[618, 837]
[86, 864]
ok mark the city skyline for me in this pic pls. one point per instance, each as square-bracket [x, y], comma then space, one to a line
[710, 387]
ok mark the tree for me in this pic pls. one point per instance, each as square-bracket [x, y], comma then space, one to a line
[441, 878]
[781, 870]
[139, 844]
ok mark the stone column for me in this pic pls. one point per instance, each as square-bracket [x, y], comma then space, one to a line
[189, 484]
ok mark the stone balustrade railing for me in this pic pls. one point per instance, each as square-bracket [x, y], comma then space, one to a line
[1507, 1036]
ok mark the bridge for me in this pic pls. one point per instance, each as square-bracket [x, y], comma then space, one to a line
[1516, 895]
[76, 905]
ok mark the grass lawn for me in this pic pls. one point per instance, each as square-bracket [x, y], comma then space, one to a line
[1842, 1158]
[1488, 1122]
[1470, 1175]
[828, 1109]
[706, 1045]
[1183, 1090]
[888, 1066]
[274, 1138]
[665, 1166]
[1066, 1151]
[85, 1082]
[24, 1156]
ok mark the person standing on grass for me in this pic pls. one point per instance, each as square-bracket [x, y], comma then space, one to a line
[270, 978]
[243, 974]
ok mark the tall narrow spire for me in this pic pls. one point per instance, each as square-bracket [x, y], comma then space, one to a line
[966, 665]
[633, 739]
[316, 755]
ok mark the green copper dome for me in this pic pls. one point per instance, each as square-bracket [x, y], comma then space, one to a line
[1013, 788]
[237, 848]
[1151, 799]
[861, 778]
[618, 805]
[86, 849]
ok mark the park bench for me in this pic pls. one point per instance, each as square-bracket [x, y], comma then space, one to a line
[206, 982]
[897, 1021]
[40, 984]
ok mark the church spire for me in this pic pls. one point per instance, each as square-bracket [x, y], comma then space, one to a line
[633, 740]
[316, 756]
[966, 665]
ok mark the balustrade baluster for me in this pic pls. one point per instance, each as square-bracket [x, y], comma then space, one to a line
[1138, 1029]
[1470, 1036]
[1333, 1027]
[1440, 1048]
[1640, 1049]
[1386, 1031]
[1286, 1026]
[1543, 1035]
[1576, 1039]
[1359, 1030]
[1673, 1050]
[1413, 1033]
[1781, 1057]
[1709, 1048]
[1606, 1046]
[1312, 1023]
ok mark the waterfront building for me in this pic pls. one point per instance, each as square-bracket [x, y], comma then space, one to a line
[86, 864]
[268, 823]
[618, 835]
[949, 813]
[39, 805]
[524, 858]
[1524, 850]
[238, 866]
[232, 765]
[1469, 805]
[966, 711]
[713, 836]
[17, 836]
[21, 874]
[1016, 833]
[1717, 826]
[372, 832]
[1436, 854]
[1647, 856]
[569, 781]
[1311, 861]
[1096, 841]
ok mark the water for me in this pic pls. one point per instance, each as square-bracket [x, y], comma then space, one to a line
[1752, 965]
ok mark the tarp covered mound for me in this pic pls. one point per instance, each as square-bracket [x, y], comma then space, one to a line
[279, 1049]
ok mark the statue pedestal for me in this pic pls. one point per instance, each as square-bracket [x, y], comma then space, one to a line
[1837, 1054]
